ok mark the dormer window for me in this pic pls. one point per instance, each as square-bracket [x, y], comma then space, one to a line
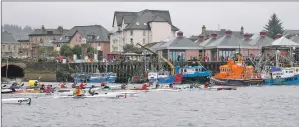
[137, 23]
[67, 38]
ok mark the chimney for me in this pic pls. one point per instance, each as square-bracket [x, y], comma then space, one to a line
[201, 37]
[277, 36]
[228, 33]
[263, 33]
[214, 36]
[180, 34]
[242, 30]
[204, 30]
[246, 36]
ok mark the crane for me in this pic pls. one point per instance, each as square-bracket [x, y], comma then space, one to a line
[161, 57]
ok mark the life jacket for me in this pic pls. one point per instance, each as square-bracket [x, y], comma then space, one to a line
[81, 86]
[78, 91]
[144, 87]
[47, 90]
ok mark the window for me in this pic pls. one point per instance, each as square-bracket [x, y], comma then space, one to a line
[144, 33]
[58, 45]
[131, 32]
[9, 48]
[143, 40]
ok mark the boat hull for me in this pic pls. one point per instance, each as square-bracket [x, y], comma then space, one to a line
[163, 80]
[16, 101]
[294, 80]
[235, 82]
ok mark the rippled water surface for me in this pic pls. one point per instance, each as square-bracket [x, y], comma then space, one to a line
[276, 106]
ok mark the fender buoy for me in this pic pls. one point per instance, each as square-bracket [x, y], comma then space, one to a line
[258, 75]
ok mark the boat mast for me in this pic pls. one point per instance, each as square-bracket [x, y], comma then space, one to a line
[276, 58]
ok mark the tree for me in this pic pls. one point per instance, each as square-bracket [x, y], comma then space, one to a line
[54, 53]
[90, 51]
[129, 47]
[41, 51]
[77, 49]
[274, 26]
[66, 50]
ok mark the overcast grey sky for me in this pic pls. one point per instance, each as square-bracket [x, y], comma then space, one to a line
[188, 17]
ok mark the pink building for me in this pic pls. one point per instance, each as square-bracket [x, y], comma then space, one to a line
[94, 35]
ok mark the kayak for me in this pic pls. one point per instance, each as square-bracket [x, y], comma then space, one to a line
[16, 101]
[3, 91]
[169, 90]
[94, 96]
[27, 91]
[32, 94]
[219, 88]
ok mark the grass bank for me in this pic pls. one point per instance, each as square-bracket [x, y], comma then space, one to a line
[46, 75]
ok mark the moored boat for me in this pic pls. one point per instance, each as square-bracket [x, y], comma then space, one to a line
[281, 75]
[236, 73]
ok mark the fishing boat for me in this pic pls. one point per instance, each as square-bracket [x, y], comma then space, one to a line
[164, 77]
[96, 77]
[236, 73]
[16, 101]
[193, 74]
[281, 75]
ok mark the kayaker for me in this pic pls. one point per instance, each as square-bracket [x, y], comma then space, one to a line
[51, 89]
[157, 85]
[74, 84]
[13, 87]
[77, 92]
[42, 88]
[207, 85]
[81, 86]
[171, 85]
[47, 90]
[91, 90]
[144, 87]
[62, 85]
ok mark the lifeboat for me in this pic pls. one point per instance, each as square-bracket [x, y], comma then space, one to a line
[236, 73]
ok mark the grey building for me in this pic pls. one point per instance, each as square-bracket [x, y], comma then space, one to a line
[9, 46]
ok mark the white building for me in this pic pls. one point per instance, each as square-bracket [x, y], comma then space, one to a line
[143, 27]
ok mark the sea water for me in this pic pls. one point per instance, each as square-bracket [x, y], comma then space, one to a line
[275, 106]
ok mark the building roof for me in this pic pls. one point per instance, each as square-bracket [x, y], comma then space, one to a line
[140, 20]
[207, 42]
[119, 17]
[220, 33]
[179, 43]
[56, 32]
[295, 39]
[228, 41]
[100, 33]
[261, 41]
[292, 32]
[282, 41]
[8, 38]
